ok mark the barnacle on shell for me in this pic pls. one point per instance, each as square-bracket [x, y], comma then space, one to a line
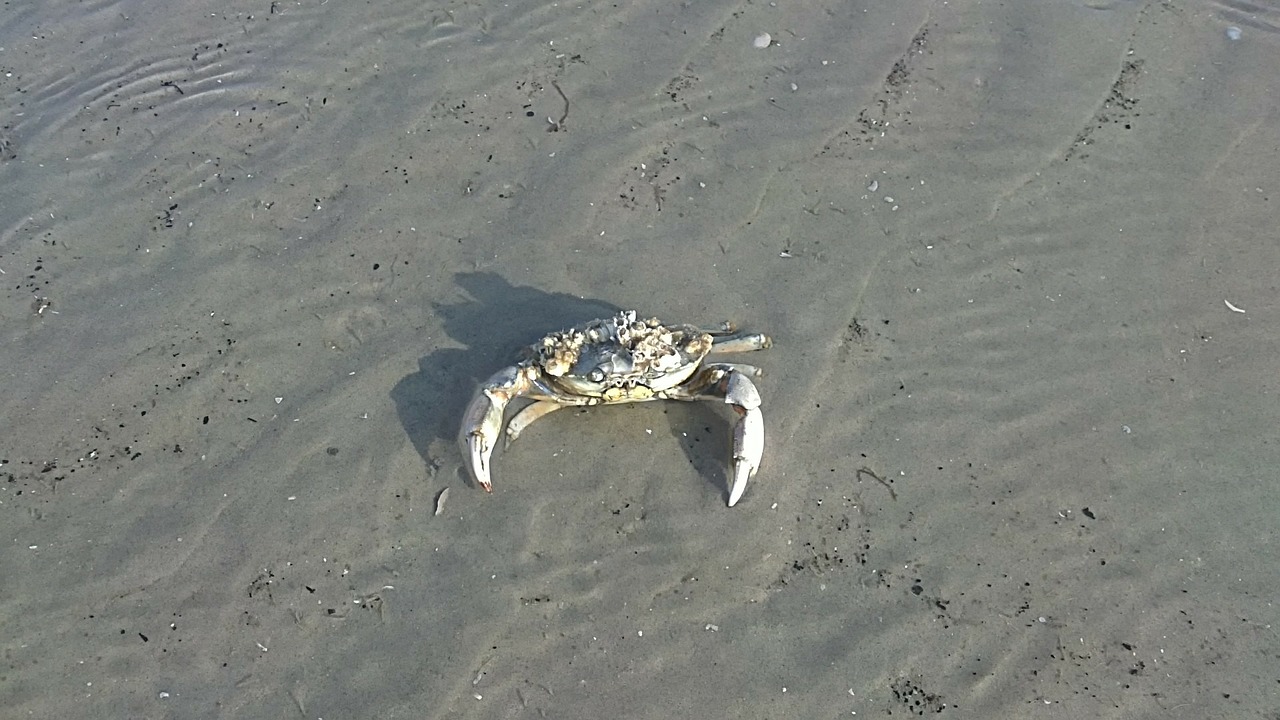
[652, 348]
[557, 352]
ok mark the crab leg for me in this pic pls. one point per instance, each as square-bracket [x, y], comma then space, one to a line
[527, 415]
[741, 343]
[482, 422]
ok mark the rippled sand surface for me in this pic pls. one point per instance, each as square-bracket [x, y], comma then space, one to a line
[1018, 260]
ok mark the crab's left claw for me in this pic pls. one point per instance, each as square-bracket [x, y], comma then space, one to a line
[748, 433]
[482, 422]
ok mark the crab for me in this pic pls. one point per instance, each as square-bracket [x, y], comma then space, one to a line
[620, 359]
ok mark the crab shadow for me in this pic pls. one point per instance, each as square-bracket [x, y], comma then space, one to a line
[705, 435]
[492, 326]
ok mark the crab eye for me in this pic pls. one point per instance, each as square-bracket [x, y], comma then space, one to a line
[596, 375]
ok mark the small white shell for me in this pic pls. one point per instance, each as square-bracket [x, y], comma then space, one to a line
[762, 41]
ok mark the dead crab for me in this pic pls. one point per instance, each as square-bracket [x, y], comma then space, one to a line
[619, 360]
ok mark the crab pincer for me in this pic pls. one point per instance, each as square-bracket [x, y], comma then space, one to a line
[748, 432]
[482, 422]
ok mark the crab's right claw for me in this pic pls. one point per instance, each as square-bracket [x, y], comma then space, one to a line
[748, 433]
[482, 422]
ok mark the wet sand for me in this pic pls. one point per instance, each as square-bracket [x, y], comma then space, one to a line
[1018, 262]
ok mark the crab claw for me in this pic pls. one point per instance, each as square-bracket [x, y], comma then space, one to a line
[748, 433]
[482, 422]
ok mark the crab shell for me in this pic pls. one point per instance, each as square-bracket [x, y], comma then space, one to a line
[619, 359]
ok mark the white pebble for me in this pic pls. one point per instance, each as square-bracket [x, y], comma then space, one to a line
[763, 40]
[1234, 33]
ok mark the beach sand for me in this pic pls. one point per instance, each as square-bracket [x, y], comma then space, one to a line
[1018, 260]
